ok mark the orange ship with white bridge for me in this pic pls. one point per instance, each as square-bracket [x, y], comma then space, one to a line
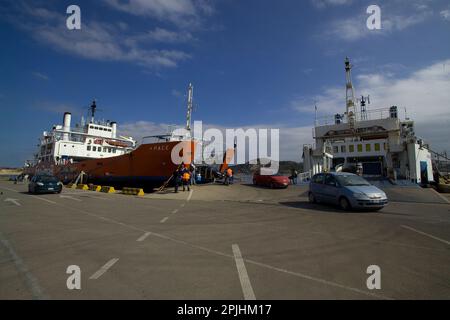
[94, 149]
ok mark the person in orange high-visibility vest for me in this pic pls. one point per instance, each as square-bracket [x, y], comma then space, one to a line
[186, 177]
[228, 177]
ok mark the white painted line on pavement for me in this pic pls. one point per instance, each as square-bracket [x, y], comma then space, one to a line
[426, 234]
[182, 205]
[243, 276]
[30, 280]
[69, 197]
[15, 201]
[43, 199]
[190, 195]
[103, 269]
[441, 196]
[174, 211]
[164, 220]
[144, 236]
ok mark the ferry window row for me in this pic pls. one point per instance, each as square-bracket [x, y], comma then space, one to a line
[359, 148]
[100, 128]
[99, 149]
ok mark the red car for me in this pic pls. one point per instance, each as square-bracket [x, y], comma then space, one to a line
[272, 181]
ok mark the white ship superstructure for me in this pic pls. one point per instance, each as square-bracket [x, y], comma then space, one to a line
[379, 142]
[87, 140]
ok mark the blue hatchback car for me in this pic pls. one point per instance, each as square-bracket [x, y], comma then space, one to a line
[346, 190]
[45, 184]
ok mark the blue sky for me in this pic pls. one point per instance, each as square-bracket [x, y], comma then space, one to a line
[253, 63]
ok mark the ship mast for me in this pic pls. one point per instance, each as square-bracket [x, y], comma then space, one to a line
[189, 106]
[93, 108]
[350, 94]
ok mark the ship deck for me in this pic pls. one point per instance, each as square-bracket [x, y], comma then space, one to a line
[187, 245]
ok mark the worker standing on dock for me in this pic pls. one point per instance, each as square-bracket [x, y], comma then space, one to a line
[176, 178]
[294, 176]
[192, 173]
[228, 177]
[186, 180]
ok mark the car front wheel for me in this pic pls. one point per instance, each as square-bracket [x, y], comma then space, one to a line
[312, 198]
[344, 204]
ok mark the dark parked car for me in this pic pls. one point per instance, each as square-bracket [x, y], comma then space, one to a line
[272, 181]
[347, 190]
[45, 184]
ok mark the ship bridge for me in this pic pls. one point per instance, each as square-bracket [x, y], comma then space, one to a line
[378, 141]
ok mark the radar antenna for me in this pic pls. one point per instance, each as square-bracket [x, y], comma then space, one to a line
[363, 102]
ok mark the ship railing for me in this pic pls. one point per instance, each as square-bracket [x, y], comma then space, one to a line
[166, 137]
[371, 114]
[156, 138]
[74, 135]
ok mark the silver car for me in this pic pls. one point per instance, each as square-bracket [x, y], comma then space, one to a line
[347, 190]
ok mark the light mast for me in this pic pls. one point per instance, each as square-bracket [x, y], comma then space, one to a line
[189, 106]
[350, 94]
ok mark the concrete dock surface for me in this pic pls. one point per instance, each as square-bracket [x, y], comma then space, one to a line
[219, 242]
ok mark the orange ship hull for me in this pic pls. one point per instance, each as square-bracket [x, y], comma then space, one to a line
[148, 166]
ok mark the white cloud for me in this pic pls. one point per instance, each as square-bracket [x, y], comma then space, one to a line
[393, 19]
[140, 129]
[98, 40]
[330, 101]
[425, 93]
[326, 3]
[161, 35]
[159, 8]
[102, 42]
[350, 29]
[445, 14]
[401, 22]
[40, 75]
[184, 13]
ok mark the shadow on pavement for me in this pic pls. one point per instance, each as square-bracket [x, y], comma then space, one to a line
[37, 194]
[310, 206]
[325, 207]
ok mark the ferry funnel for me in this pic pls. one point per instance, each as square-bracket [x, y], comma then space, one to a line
[66, 125]
[114, 129]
